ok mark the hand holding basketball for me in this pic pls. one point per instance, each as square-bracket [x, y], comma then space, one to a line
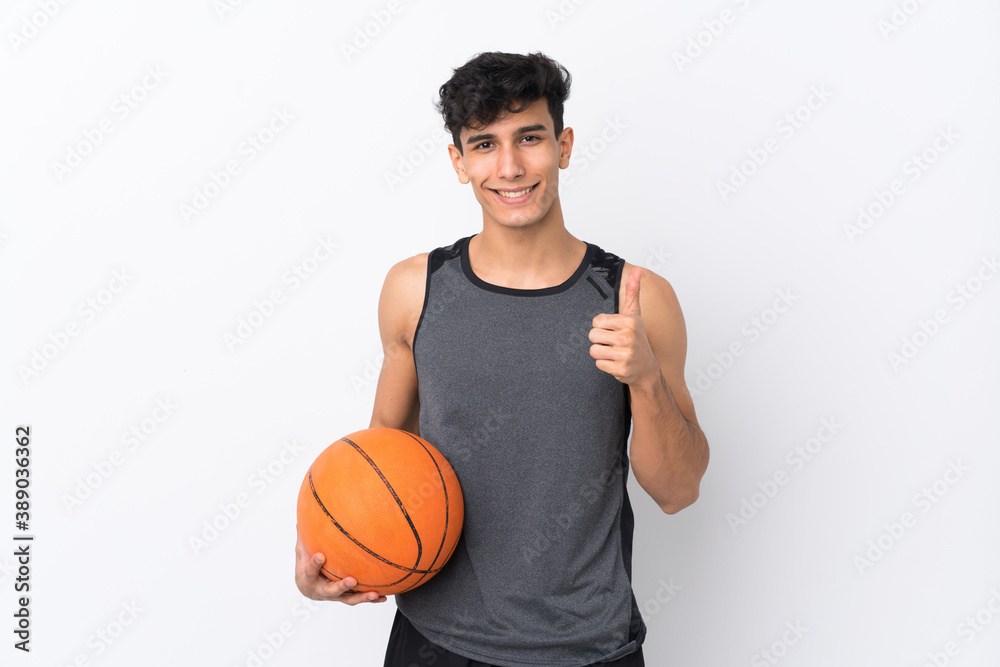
[311, 582]
[385, 507]
[620, 344]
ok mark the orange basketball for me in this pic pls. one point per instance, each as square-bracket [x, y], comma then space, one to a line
[384, 507]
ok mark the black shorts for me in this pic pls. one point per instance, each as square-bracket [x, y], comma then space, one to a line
[408, 648]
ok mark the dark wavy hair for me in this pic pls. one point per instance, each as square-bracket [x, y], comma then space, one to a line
[493, 84]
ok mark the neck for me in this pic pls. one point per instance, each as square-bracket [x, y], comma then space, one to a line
[542, 254]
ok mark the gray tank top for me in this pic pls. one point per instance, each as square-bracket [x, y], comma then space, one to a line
[536, 433]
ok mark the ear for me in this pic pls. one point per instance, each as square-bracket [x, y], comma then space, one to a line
[565, 146]
[458, 162]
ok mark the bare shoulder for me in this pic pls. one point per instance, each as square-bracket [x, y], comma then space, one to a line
[402, 299]
[408, 275]
[656, 294]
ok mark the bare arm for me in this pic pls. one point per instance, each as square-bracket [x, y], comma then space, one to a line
[397, 404]
[669, 453]
[644, 346]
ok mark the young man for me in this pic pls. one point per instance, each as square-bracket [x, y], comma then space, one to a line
[524, 355]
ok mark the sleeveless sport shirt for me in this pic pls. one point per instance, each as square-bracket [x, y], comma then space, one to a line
[537, 436]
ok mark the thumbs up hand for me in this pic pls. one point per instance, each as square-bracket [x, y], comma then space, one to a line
[619, 341]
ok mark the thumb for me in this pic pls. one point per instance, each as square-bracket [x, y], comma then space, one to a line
[632, 292]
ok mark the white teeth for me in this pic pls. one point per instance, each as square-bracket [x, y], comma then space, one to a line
[513, 195]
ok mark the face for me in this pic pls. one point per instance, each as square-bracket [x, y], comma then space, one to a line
[513, 165]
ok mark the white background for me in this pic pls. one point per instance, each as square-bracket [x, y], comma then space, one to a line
[713, 591]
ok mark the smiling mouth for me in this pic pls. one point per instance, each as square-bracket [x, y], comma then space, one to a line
[514, 194]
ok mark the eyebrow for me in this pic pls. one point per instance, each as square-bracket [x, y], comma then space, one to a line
[476, 138]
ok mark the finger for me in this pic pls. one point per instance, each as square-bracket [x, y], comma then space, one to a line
[314, 565]
[609, 367]
[632, 292]
[604, 352]
[342, 587]
[602, 336]
[344, 593]
[334, 590]
[357, 598]
[606, 321]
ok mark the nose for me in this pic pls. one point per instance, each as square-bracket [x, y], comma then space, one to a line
[508, 163]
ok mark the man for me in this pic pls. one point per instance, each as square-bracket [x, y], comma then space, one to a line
[524, 355]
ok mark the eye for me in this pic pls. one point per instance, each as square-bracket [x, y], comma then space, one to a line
[478, 146]
[531, 136]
